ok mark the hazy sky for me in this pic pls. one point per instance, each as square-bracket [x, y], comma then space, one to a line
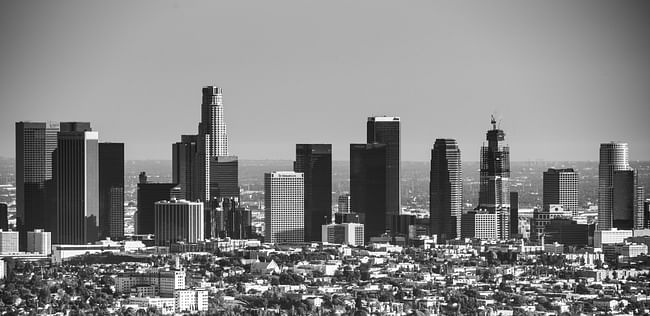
[563, 76]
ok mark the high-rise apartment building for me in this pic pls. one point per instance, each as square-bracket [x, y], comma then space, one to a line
[111, 190]
[614, 156]
[386, 130]
[178, 220]
[315, 162]
[561, 187]
[445, 190]
[284, 204]
[368, 186]
[494, 196]
[35, 194]
[77, 184]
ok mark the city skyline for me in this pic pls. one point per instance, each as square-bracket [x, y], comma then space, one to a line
[544, 64]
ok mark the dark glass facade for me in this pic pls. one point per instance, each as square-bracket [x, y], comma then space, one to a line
[77, 185]
[35, 204]
[315, 161]
[514, 213]
[445, 190]
[386, 130]
[368, 186]
[4, 219]
[111, 190]
[148, 195]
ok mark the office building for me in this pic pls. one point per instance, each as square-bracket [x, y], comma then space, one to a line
[224, 177]
[185, 170]
[368, 186]
[386, 130]
[351, 217]
[344, 203]
[627, 200]
[237, 220]
[77, 185]
[284, 207]
[445, 190]
[494, 192]
[614, 156]
[646, 214]
[148, 195]
[4, 216]
[560, 186]
[224, 186]
[178, 221]
[111, 190]
[8, 242]
[514, 214]
[39, 241]
[480, 225]
[611, 236]
[345, 234]
[35, 195]
[567, 232]
[212, 138]
[315, 162]
[542, 217]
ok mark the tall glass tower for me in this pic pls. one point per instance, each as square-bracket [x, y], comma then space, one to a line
[386, 130]
[494, 193]
[445, 189]
[614, 156]
[35, 196]
[315, 161]
[77, 185]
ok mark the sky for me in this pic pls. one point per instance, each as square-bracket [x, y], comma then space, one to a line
[561, 76]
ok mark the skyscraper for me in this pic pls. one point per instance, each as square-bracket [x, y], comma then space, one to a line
[627, 200]
[561, 187]
[111, 190]
[386, 130]
[185, 167]
[284, 207]
[315, 162]
[445, 190]
[514, 213]
[494, 190]
[178, 220]
[646, 214]
[224, 177]
[614, 156]
[77, 183]
[4, 217]
[148, 195]
[35, 204]
[212, 138]
[368, 186]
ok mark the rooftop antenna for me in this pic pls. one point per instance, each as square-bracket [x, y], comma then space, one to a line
[493, 121]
